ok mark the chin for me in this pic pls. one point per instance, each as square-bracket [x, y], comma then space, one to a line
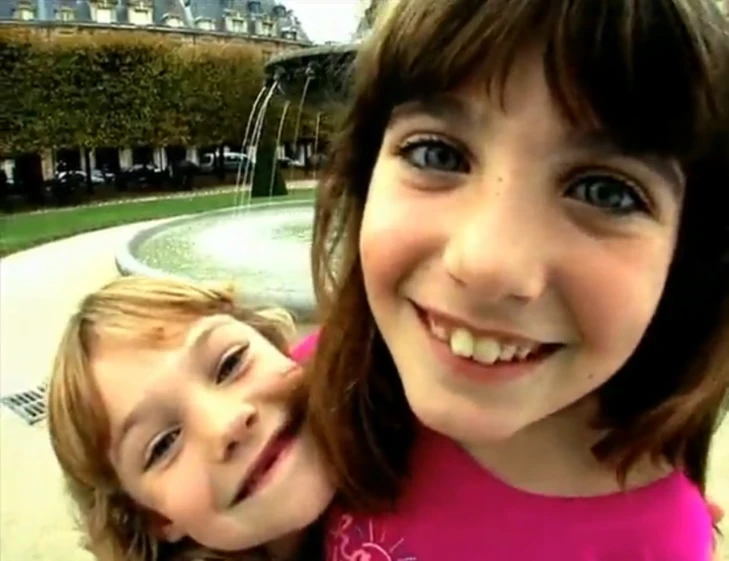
[470, 430]
[466, 422]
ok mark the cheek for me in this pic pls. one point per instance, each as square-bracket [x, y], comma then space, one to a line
[185, 495]
[615, 293]
[392, 237]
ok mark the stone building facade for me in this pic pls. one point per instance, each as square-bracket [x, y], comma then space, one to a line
[255, 19]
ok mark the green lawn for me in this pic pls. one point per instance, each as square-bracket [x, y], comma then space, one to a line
[26, 230]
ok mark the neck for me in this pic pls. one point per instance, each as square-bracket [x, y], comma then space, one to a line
[287, 548]
[554, 457]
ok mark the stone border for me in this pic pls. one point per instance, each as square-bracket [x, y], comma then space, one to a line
[221, 190]
[128, 264]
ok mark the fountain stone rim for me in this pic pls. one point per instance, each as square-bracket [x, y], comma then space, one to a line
[128, 264]
[311, 52]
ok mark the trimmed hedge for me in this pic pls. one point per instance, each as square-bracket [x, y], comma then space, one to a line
[121, 89]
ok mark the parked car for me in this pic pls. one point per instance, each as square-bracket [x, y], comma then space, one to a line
[232, 162]
[143, 176]
[285, 162]
[66, 187]
[182, 174]
[97, 176]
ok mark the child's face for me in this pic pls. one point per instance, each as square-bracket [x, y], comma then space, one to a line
[512, 263]
[201, 435]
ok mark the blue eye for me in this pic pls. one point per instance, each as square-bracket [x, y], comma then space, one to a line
[611, 194]
[161, 447]
[434, 154]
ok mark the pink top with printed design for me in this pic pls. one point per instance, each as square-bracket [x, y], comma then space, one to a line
[454, 510]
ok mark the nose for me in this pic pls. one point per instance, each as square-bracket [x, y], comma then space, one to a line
[498, 245]
[230, 427]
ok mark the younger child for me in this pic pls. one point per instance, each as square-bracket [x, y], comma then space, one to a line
[171, 415]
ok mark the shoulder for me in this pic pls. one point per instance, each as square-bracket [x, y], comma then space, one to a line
[670, 516]
[691, 515]
[304, 349]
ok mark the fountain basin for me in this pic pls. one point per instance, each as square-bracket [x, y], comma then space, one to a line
[263, 250]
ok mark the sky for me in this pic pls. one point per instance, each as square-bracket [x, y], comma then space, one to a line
[326, 20]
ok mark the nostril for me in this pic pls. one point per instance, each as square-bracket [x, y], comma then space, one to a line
[230, 449]
[250, 420]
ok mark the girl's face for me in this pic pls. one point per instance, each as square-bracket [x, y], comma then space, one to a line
[512, 262]
[201, 434]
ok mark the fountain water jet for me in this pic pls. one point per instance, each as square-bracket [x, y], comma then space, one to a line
[265, 249]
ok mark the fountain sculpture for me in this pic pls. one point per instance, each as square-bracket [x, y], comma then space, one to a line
[263, 249]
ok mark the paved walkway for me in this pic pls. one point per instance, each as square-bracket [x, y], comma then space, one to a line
[38, 290]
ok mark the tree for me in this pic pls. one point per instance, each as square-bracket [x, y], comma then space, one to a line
[126, 89]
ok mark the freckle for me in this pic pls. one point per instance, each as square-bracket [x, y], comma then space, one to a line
[499, 179]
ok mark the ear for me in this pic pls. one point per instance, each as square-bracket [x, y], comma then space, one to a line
[164, 529]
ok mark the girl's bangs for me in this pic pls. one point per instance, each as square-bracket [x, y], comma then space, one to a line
[644, 71]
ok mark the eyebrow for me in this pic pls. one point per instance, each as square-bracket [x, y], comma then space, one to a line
[442, 107]
[147, 406]
[597, 143]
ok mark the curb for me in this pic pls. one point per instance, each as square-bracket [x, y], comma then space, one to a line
[293, 185]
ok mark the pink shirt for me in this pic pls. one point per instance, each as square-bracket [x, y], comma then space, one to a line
[454, 510]
[305, 348]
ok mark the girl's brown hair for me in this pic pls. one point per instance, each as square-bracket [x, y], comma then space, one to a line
[144, 311]
[653, 75]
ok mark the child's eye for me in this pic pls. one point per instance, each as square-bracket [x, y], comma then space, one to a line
[230, 365]
[434, 154]
[161, 447]
[608, 193]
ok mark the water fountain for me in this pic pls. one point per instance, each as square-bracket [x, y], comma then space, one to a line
[264, 248]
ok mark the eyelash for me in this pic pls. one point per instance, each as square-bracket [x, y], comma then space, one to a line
[642, 202]
[406, 148]
[238, 358]
[155, 452]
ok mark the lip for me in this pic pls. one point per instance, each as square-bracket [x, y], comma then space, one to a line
[260, 472]
[472, 370]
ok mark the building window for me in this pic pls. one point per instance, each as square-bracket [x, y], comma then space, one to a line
[236, 25]
[172, 20]
[66, 14]
[289, 34]
[140, 16]
[24, 13]
[206, 24]
[104, 15]
[254, 7]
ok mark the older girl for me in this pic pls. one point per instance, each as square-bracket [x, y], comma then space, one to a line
[526, 329]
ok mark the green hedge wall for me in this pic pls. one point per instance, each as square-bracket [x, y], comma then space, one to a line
[120, 89]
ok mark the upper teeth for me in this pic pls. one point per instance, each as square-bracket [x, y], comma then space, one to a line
[486, 350]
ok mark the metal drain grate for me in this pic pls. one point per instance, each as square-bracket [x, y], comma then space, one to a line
[30, 405]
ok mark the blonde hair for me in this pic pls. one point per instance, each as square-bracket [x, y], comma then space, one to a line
[137, 309]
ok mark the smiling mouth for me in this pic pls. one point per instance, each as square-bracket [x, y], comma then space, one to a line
[258, 473]
[485, 348]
